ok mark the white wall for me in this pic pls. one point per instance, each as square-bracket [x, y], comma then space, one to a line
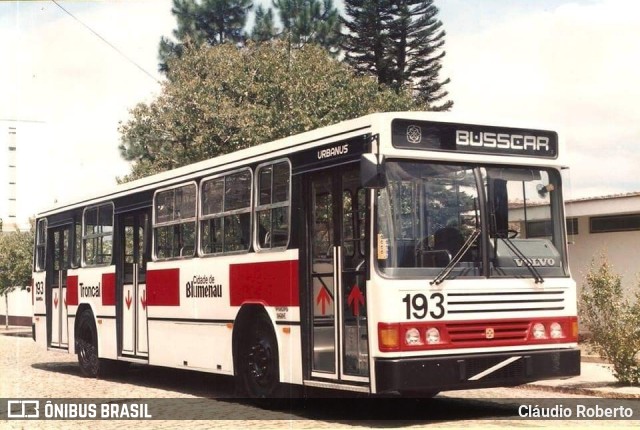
[19, 303]
[622, 250]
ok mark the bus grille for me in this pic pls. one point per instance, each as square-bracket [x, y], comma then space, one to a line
[461, 333]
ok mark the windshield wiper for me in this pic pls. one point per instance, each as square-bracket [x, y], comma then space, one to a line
[444, 273]
[526, 261]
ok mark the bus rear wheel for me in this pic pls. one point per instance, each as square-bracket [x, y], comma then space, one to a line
[87, 345]
[259, 365]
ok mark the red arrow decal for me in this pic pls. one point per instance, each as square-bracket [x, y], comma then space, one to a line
[143, 299]
[128, 299]
[323, 299]
[55, 300]
[355, 299]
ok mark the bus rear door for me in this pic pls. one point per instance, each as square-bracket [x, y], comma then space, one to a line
[134, 236]
[58, 264]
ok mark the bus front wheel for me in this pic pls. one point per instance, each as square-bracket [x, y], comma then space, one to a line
[259, 365]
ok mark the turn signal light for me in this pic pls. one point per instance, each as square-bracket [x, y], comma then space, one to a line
[388, 337]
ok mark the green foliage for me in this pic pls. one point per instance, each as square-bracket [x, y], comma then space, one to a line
[309, 21]
[15, 265]
[223, 98]
[201, 22]
[264, 28]
[614, 322]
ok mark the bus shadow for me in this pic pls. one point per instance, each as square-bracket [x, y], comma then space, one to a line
[218, 393]
[389, 412]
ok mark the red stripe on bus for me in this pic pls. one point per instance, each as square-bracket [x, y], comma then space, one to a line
[272, 283]
[108, 289]
[163, 287]
[72, 290]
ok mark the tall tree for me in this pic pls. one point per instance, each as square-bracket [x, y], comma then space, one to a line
[204, 22]
[415, 51]
[365, 43]
[223, 98]
[309, 21]
[15, 264]
[264, 27]
[400, 42]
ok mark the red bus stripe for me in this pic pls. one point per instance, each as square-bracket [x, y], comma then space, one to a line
[272, 283]
[72, 290]
[163, 287]
[108, 289]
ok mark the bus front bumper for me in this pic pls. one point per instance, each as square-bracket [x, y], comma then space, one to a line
[459, 372]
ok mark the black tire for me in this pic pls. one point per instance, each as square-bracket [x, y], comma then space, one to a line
[87, 345]
[259, 371]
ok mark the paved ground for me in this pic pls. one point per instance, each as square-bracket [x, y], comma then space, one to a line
[27, 371]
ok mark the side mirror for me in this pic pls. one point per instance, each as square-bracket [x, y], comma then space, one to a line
[371, 172]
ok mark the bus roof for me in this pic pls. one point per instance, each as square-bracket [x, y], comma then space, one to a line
[368, 124]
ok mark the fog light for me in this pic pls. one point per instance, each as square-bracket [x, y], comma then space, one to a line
[432, 335]
[555, 331]
[412, 337]
[538, 331]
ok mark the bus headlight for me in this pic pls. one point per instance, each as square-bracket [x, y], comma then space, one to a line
[412, 337]
[432, 335]
[538, 331]
[555, 331]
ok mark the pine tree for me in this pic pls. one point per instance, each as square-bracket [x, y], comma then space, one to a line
[309, 21]
[204, 21]
[365, 42]
[263, 28]
[400, 42]
[417, 39]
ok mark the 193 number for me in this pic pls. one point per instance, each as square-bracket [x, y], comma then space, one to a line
[418, 306]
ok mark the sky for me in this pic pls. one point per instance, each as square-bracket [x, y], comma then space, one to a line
[572, 64]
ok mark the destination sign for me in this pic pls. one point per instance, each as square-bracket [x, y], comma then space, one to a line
[443, 136]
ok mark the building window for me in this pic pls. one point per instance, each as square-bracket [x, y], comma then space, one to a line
[272, 205]
[572, 226]
[613, 223]
[542, 228]
[41, 244]
[97, 235]
[174, 222]
[225, 213]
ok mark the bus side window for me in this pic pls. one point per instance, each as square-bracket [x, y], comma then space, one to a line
[272, 205]
[174, 221]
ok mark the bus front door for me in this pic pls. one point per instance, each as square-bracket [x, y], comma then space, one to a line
[136, 249]
[58, 264]
[336, 298]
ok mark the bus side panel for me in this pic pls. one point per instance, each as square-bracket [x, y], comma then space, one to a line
[191, 345]
[289, 341]
[95, 287]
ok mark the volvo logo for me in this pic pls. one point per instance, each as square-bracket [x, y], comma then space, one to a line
[489, 333]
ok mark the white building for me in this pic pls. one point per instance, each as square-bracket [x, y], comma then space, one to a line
[605, 226]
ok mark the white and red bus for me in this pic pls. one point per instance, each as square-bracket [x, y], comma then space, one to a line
[397, 252]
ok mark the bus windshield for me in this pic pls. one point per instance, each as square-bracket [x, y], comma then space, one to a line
[429, 213]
